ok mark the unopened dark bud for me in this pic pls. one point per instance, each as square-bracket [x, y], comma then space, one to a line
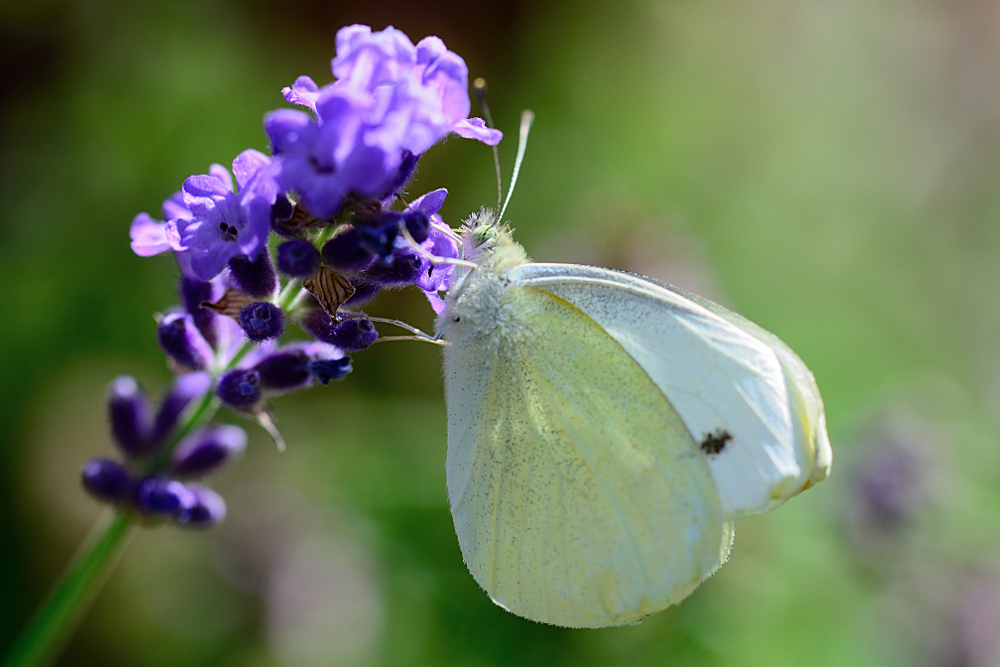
[363, 291]
[403, 267]
[282, 209]
[193, 293]
[418, 225]
[262, 321]
[284, 370]
[239, 388]
[329, 370]
[106, 480]
[208, 449]
[131, 415]
[348, 251]
[298, 258]
[182, 342]
[185, 389]
[349, 335]
[208, 509]
[256, 278]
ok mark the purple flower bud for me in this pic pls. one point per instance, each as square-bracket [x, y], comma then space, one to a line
[206, 450]
[327, 370]
[363, 292]
[193, 293]
[262, 321]
[157, 494]
[256, 278]
[351, 251]
[284, 370]
[186, 388]
[131, 415]
[298, 258]
[208, 509]
[282, 209]
[403, 267]
[406, 169]
[182, 342]
[106, 480]
[418, 225]
[239, 388]
[350, 335]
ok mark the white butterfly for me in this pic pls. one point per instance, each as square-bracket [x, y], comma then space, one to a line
[605, 429]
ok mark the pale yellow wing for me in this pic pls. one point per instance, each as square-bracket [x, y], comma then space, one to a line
[723, 374]
[579, 497]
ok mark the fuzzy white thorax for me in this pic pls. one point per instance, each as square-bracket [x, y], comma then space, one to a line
[473, 302]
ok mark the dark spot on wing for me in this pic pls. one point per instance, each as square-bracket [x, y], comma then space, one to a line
[715, 442]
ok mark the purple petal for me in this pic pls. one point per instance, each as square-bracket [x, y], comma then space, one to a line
[437, 303]
[202, 194]
[431, 202]
[149, 237]
[290, 131]
[174, 207]
[441, 243]
[475, 128]
[222, 174]
[209, 262]
[304, 92]
[246, 166]
[429, 49]
[448, 77]
[366, 59]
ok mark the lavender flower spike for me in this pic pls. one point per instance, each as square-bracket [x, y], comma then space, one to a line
[226, 224]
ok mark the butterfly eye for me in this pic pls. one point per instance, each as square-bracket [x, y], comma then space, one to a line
[482, 234]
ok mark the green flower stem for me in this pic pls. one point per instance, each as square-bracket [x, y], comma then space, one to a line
[54, 622]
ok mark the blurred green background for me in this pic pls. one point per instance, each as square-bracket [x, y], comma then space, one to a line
[828, 169]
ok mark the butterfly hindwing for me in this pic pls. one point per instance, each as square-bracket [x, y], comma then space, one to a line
[578, 494]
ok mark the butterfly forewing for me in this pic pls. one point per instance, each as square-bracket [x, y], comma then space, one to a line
[578, 494]
[741, 392]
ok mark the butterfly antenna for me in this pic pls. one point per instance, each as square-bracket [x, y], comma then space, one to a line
[479, 86]
[527, 118]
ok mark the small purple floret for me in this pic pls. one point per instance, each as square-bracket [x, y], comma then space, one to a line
[350, 251]
[208, 509]
[350, 335]
[284, 370]
[157, 494]
[181, 341]
[255, 277]
[130, 414]
[225, 224]
[239, 388]
[328, 370]
[262, 321]
[298, 258]
[106, 480]
[404, 267]
[205, 451]
[186, 388]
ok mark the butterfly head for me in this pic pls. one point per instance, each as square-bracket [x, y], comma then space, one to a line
[485, 238]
